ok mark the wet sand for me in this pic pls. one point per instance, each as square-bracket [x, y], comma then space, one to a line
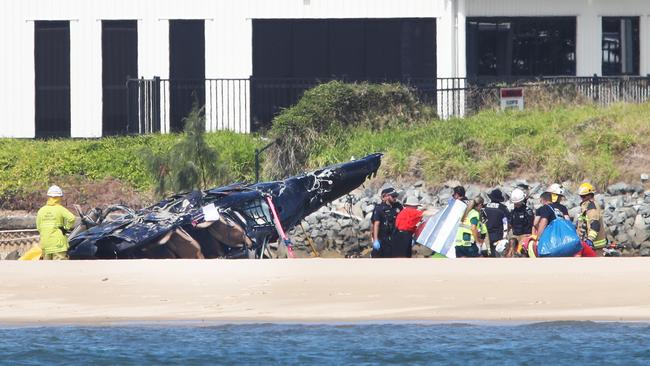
[325, 290]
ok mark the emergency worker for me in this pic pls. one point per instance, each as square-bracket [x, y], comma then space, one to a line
[590, 222]
[557, 195]
[406, 223]
[383, 223]
[521, 217]
[52, 222]
[468, 237]
[546, 213]
[496, 219]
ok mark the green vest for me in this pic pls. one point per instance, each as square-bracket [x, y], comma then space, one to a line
[464, 235]
[51, 220]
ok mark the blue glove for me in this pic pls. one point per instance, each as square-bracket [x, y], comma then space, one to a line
[376, 245]
[590, 243]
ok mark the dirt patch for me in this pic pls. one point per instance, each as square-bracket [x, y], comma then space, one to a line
[81, 191]
[635, 162]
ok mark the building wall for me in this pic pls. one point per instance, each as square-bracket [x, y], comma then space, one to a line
[228, 35]
[589, 15]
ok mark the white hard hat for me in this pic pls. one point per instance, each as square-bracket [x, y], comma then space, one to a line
[55, 191]
[517, 196]
[555, 188]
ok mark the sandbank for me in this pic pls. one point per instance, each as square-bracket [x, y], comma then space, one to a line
[325, 290]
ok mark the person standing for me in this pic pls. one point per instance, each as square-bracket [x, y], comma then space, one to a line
[52, 221]
[406, 223]
[521, 217]
[383, 223]
[590, 222]
[459, 194]
[546, 213]
[468, 237]
[496, 215]
[557, 194]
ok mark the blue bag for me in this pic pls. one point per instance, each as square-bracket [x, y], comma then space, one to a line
[559, 239]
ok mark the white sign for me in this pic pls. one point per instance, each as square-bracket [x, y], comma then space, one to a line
[512, 98]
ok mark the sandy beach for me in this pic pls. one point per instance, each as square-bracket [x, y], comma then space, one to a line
[324, 290]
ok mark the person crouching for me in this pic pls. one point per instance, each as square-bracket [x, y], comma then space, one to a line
[406, 223]
[52, 221]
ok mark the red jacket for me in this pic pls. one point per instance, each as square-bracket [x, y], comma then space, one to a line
[408, 219]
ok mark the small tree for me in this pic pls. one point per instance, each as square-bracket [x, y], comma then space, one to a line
[191, 163]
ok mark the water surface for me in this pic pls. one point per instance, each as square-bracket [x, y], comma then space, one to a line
[551, 343]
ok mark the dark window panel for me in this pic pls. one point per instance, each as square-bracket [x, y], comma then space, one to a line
[52, 78]
[521, 46]
[119, 61]
[353, 49]
[383, 49]
[186, 68]
[620, 45]
[418, 48]
[272, 48]
[346, 49]
[310, 45]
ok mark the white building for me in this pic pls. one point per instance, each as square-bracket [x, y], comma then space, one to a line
[64, 62]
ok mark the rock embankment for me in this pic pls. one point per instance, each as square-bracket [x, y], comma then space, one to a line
[343, 227]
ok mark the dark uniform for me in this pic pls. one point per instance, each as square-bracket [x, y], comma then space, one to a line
[495, 214]
[551, 211]
[521, 220]
[385, 214]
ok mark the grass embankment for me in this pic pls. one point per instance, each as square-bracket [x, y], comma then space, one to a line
[564, 143]
[27, 167]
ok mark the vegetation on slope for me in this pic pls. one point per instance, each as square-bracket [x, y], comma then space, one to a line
[336, 121]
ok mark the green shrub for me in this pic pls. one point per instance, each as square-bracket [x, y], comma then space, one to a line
[190, 163]
[325, 113]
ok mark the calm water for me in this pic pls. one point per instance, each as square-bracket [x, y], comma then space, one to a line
[568, 343]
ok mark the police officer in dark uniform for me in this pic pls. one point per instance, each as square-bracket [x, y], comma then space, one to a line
[522, 215]
[496, 216]
[383, 223]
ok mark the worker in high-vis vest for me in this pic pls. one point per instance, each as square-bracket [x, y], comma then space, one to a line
[52, 222]
[468, 237]
[590, 222]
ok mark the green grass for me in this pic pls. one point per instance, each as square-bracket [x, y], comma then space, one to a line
[570, 143]
[29, 165]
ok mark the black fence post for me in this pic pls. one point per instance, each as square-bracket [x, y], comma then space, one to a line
[156, 105]
[595, 85]
[141, 87]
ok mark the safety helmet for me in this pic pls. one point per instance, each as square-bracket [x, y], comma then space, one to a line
[585, 189]
[555, 188]
[517, 196]
[55, 191]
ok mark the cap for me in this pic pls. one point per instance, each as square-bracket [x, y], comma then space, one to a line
[390, 190]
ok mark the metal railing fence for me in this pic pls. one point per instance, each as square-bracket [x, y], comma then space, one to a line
[250, 104]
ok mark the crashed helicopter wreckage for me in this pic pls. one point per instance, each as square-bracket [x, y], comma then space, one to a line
[235, 221]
